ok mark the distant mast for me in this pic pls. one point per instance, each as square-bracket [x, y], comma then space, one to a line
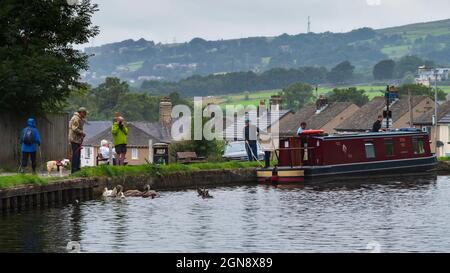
[309, 24]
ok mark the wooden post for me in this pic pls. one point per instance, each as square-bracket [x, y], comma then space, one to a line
[150, 150]
[411, 121]
[110, 160]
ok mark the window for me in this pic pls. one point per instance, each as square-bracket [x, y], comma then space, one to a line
[87, 153]
[418, 146]
[370, 150]
[134, 153]
[389, 147]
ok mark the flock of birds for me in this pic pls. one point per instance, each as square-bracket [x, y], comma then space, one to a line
[117, 192]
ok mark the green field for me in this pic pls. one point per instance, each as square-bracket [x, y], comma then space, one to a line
[419, 30]
[255, 97]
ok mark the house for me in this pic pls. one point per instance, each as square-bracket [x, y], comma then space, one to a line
[363, 119]
[140, 136]
[425, 123]
[427, 75]
[327, 118]
[139, 144]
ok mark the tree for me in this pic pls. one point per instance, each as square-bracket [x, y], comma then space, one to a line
[351, 94]
[38, 65]
[384, 70]
[408, 78]
[296, 95]
[421, 90]
[410, 64]
[341, 73]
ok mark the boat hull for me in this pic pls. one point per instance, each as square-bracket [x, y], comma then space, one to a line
[344, 171]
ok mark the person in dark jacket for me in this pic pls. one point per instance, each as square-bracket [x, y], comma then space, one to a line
[251, 134]
[29, 139]
[377, 124]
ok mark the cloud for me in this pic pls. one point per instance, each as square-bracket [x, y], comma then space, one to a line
[182, 20]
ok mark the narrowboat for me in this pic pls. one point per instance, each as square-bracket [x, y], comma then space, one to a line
[315, 155]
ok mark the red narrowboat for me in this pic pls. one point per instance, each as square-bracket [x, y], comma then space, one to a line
[314, 154]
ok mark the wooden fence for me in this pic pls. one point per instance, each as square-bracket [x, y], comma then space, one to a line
[53, 129]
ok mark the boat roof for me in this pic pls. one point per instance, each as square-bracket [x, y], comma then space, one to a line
[372, 135]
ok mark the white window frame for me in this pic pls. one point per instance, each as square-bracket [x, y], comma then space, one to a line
[134, 153]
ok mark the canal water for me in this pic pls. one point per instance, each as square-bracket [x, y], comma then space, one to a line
[396, 215]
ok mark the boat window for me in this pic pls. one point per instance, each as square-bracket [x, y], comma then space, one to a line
[370, 150]
[418, 146]
[389, 147]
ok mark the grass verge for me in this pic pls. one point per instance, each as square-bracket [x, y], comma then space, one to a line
[120, 171]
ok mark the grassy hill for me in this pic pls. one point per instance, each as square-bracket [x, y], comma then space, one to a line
[419, 30]
[136, 60]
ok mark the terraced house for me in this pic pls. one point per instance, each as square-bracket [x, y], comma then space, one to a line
[402, 117]
[326, 118]
[425, 122]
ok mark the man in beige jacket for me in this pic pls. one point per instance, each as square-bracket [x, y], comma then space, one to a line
[76, 136]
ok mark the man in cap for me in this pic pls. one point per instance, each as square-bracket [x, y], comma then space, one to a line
[76, 136]
[251, 135]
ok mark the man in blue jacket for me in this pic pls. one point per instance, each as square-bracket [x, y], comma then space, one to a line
[29, 139]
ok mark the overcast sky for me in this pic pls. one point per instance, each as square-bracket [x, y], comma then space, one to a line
[167, 21]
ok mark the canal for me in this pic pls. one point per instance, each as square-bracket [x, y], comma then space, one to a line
[396, 215]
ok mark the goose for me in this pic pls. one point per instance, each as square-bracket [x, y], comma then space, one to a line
[148, 192]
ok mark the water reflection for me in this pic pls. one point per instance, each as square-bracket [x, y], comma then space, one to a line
[402, 214]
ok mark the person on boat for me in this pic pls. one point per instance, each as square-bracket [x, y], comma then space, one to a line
[301, 128]
[377, 124]
[251, 134]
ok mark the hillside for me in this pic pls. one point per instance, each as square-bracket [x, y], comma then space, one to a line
[140, 60]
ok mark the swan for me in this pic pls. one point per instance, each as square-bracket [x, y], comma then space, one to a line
[109, 193]
[133, 193]
[119, 193]
[148, 192]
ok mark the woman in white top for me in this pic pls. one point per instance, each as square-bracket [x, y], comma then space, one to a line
[104, 150]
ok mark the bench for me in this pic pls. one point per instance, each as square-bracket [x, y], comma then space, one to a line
[188, 157]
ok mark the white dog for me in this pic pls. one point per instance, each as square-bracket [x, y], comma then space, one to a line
[57, 165]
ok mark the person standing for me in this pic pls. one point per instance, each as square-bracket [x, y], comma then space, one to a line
[251, 146]
[76, 136]
[120, 131]
[29, 140]
[301, 128]
[377, 124]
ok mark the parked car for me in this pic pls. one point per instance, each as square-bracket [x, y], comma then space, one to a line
[236, 151]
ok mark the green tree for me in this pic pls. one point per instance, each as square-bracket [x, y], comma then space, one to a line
[108, 94]
[296, 95]
[408, 78]
[351, 94]
[384, 70]
[341, 73]
[38, 65]
[421, 90]
[410, 64]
